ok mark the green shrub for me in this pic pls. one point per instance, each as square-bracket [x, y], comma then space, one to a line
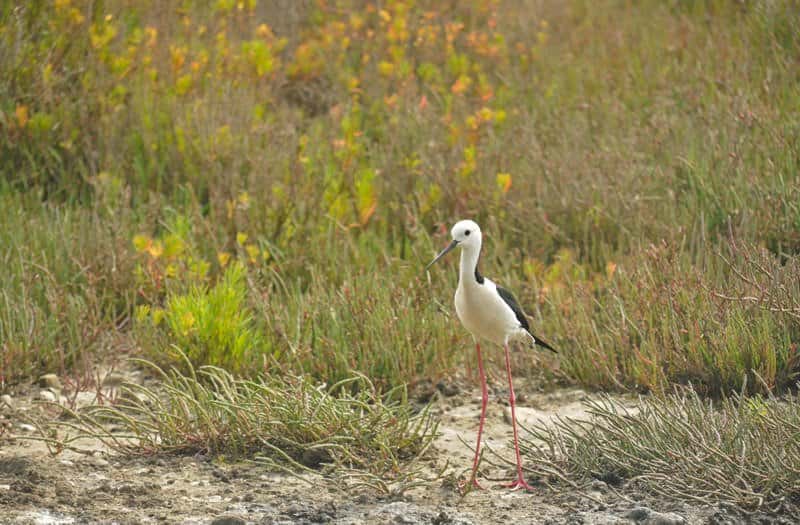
[213, 326]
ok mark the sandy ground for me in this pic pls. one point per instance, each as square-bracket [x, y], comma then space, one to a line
[73, 488]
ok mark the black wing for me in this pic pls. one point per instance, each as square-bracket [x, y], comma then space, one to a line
[512, 303]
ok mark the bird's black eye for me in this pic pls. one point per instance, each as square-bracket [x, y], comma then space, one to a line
[466, 232]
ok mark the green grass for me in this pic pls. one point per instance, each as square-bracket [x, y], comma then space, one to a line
[66, 288]
[326, 151]
[741, 451]
[664, 320]
[289, 422]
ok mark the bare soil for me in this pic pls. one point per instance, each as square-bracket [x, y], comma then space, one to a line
[39, 488]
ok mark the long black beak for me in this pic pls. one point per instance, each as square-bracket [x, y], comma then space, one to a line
[442, 253]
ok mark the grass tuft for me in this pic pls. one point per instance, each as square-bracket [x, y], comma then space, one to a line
[289, 423]
[741, 451]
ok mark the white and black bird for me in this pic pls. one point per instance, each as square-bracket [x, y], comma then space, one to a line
[490, 313]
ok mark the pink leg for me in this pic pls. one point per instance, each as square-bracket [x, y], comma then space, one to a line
[484, 399]
[520, 481]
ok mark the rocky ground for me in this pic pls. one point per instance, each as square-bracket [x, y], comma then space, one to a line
[71, 488]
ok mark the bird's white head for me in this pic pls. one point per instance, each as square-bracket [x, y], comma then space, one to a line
[466, 234]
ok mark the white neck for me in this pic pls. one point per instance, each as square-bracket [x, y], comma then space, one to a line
[469, 261]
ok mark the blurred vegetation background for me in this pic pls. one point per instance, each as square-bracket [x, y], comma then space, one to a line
[259, 184]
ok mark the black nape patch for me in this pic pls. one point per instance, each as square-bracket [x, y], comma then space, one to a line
[478, 276]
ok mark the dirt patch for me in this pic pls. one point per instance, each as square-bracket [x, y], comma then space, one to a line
[36, 487]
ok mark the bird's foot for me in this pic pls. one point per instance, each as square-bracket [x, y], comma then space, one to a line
[519, 483]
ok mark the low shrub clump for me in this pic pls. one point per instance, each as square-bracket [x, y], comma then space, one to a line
[288, 423]
[741, 450]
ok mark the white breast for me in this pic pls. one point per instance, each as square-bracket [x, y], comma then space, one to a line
[484, 313]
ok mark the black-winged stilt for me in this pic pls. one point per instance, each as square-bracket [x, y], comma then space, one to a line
[490, 313]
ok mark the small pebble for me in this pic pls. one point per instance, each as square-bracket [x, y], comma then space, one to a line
[600, 486]
[228, 520]
[48, 395]
[98, 462]
[6, 399]
[664, 518]
[638, 513]
[595, 495]
[50, 381]
[448, 389]
[113, 379]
